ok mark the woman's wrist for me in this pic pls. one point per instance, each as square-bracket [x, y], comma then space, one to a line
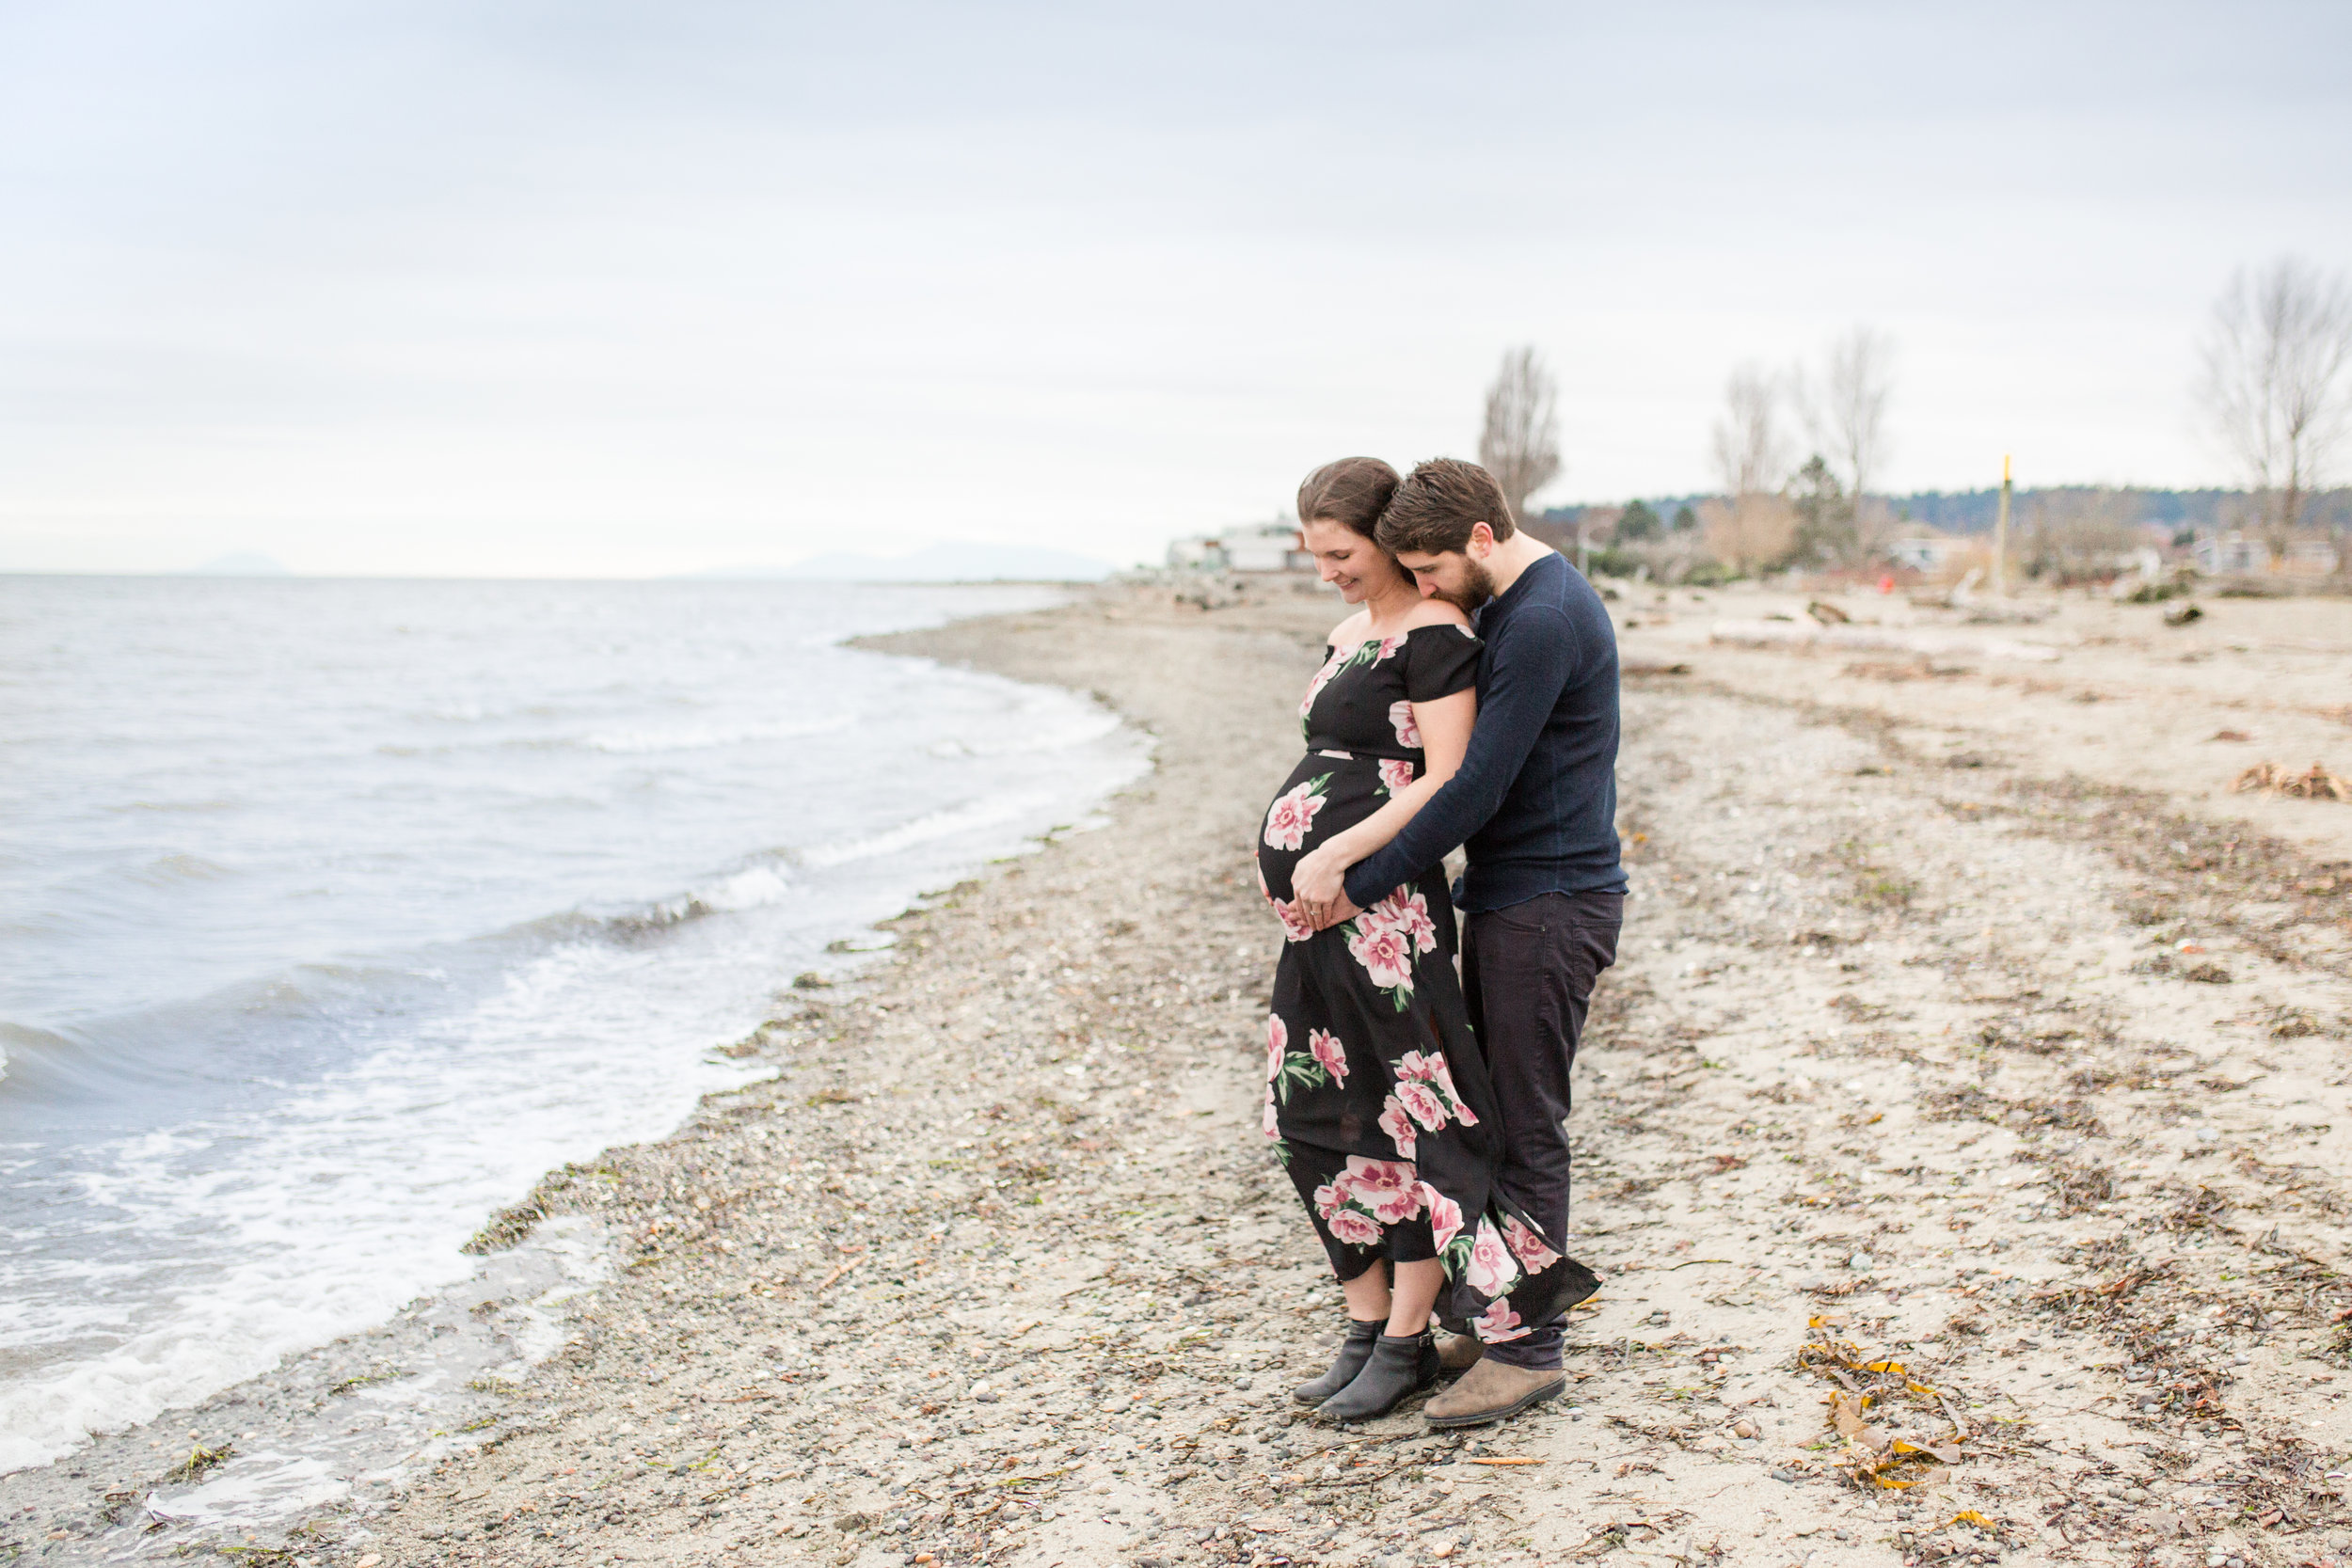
[1340, 849]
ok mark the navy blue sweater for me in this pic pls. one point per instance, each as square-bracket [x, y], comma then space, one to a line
[1535, 800]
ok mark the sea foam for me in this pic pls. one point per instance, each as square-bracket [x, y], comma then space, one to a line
[319, 970]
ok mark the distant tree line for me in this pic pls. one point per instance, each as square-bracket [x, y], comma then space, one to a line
[1966, 512]
[1796, 451]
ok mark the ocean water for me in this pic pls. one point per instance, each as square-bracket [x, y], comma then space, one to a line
[333, 914]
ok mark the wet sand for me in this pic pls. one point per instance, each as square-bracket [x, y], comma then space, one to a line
[1942, 1036]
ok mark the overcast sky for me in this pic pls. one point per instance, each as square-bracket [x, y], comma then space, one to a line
[610, 288]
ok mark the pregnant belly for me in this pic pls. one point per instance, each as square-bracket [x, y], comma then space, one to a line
[1322, 797]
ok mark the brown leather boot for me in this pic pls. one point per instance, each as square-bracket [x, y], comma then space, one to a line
[1459, 1352]
[1489, 1391]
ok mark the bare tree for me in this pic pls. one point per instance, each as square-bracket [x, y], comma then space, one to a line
[1751, 454]
[1521, 444]
[2273, 381]
[1753, 527]
[1845, 412]
[2077, 533]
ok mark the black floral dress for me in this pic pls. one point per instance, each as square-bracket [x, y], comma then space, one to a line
[1377, 1095]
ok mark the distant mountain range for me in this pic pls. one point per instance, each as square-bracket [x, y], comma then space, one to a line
[240, 563]
[950, 561]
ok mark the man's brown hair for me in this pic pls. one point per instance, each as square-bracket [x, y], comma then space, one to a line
[1439, 502]
[1351, 492]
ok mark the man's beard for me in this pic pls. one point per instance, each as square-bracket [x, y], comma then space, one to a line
[1478, 586]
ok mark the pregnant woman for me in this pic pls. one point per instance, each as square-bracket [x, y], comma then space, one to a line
[1375, 1092]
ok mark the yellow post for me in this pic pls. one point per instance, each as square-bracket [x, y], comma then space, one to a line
[2000, 536]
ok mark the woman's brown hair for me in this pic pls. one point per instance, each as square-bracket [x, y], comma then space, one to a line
[1352, 492]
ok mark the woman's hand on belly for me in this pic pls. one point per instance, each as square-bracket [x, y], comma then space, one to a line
[1318, 882]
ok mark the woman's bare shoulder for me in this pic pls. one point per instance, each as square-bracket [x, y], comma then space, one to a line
[1436, 612]
[1352, 630]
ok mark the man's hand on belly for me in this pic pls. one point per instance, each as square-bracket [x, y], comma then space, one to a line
[1340, 911]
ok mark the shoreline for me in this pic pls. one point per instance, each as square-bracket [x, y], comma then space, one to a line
[495, 935]
[1907, 1056]
[340, 1424]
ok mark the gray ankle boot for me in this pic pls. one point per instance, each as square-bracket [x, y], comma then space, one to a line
[1354, 1352]
[1398, 1367]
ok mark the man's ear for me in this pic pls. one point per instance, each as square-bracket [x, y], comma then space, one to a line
[1483, 536]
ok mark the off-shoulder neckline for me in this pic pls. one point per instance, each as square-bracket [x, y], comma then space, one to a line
[1411, 633]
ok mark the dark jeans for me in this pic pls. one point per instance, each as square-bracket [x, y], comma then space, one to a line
[1528, 971]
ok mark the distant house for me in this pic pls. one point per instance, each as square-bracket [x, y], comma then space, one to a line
[2229, 554]
[1274, 547]
[1923, 552]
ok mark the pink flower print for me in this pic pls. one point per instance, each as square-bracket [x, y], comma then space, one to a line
[1422, 1103]
[1343, 1208]
[1395, 774]
[1431, 1069]
[1272, 1131]
[1292, 819]
[1278, 1044]
[1498, 1323]
[1295, 927]
[1408, 912]
[1401, 720]
[1399, 1127]
[1445, 1215]
[1490, 1271]
[1389, 645]
[1387, 1187]
[1322, 678]
[1444, 1082]
[1330, 1053]
[1527, 1246]
[1384, 954]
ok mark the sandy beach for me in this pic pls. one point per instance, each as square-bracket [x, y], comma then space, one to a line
[1963, 1141]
